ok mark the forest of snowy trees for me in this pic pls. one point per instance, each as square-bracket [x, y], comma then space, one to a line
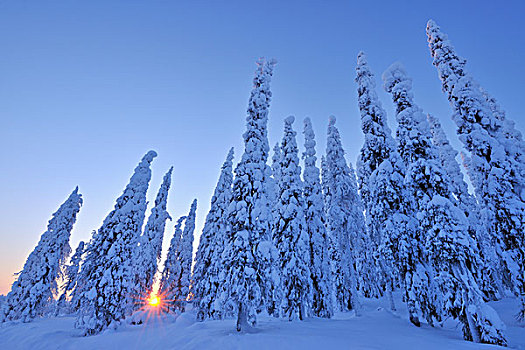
[298, 239]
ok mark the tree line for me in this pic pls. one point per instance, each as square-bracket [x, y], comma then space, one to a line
[298, 241]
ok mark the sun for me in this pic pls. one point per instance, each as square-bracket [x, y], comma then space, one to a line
[154, 301]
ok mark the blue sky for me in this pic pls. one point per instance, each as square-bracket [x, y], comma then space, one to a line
[87, 87]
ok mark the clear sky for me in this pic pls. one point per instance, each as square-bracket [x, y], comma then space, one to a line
[87, 87]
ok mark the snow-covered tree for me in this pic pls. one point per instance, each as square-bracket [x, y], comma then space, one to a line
[492, 118]
[389, 218]
[147, 252]
[70, 277]
[274, 187]
[489, 280]
[495, 160]
[377, 148]
[324, 185]
[107, 271]
[447, 157]
[378, 137]
[276, 160]
[206, 272]
[247, 261]
[443, 254]
[186, 257]
[315, 226]
[176, 278]
[171, 272]
[513, 140]
[345, 222]
[32, 292]
[290, 235]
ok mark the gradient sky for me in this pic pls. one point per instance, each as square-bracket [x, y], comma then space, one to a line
[87, 87]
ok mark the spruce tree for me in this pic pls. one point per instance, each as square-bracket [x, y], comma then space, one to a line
[147, 252]
[276, 162]
[171, 272]
[70, 278]
[444, 256]
[274, 183]
[495, 160]
[108, 267]
[315, 226]
[377, 148]
[378, 137]
[32, 292]
[290, 235]
[186, 257]
[514, 144]
[490, 115]
[345, 222]
[247, 259]
[363, 248]
[388, 217]
[206, 273]
[380, 173]
[489, 279]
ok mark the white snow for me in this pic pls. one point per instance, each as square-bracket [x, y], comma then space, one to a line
[377, 328]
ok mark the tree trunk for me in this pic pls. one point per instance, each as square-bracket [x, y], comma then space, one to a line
[242, 318]
[301, 310]
[472, 327]
[390, 294]
[412, 311]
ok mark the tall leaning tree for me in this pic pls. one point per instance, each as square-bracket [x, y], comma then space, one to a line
[32, 292]
[443, 277]
[247, 261]
[495, 159]
[207, 269]
[489, 276]
[379, 147]
[147, 252]
[107, 270]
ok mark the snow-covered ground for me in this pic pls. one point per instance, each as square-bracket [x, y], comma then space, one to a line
[377, 328]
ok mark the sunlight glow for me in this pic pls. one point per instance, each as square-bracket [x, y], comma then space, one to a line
[154, 301]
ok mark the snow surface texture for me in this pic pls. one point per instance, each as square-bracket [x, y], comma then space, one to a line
[377, 328]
